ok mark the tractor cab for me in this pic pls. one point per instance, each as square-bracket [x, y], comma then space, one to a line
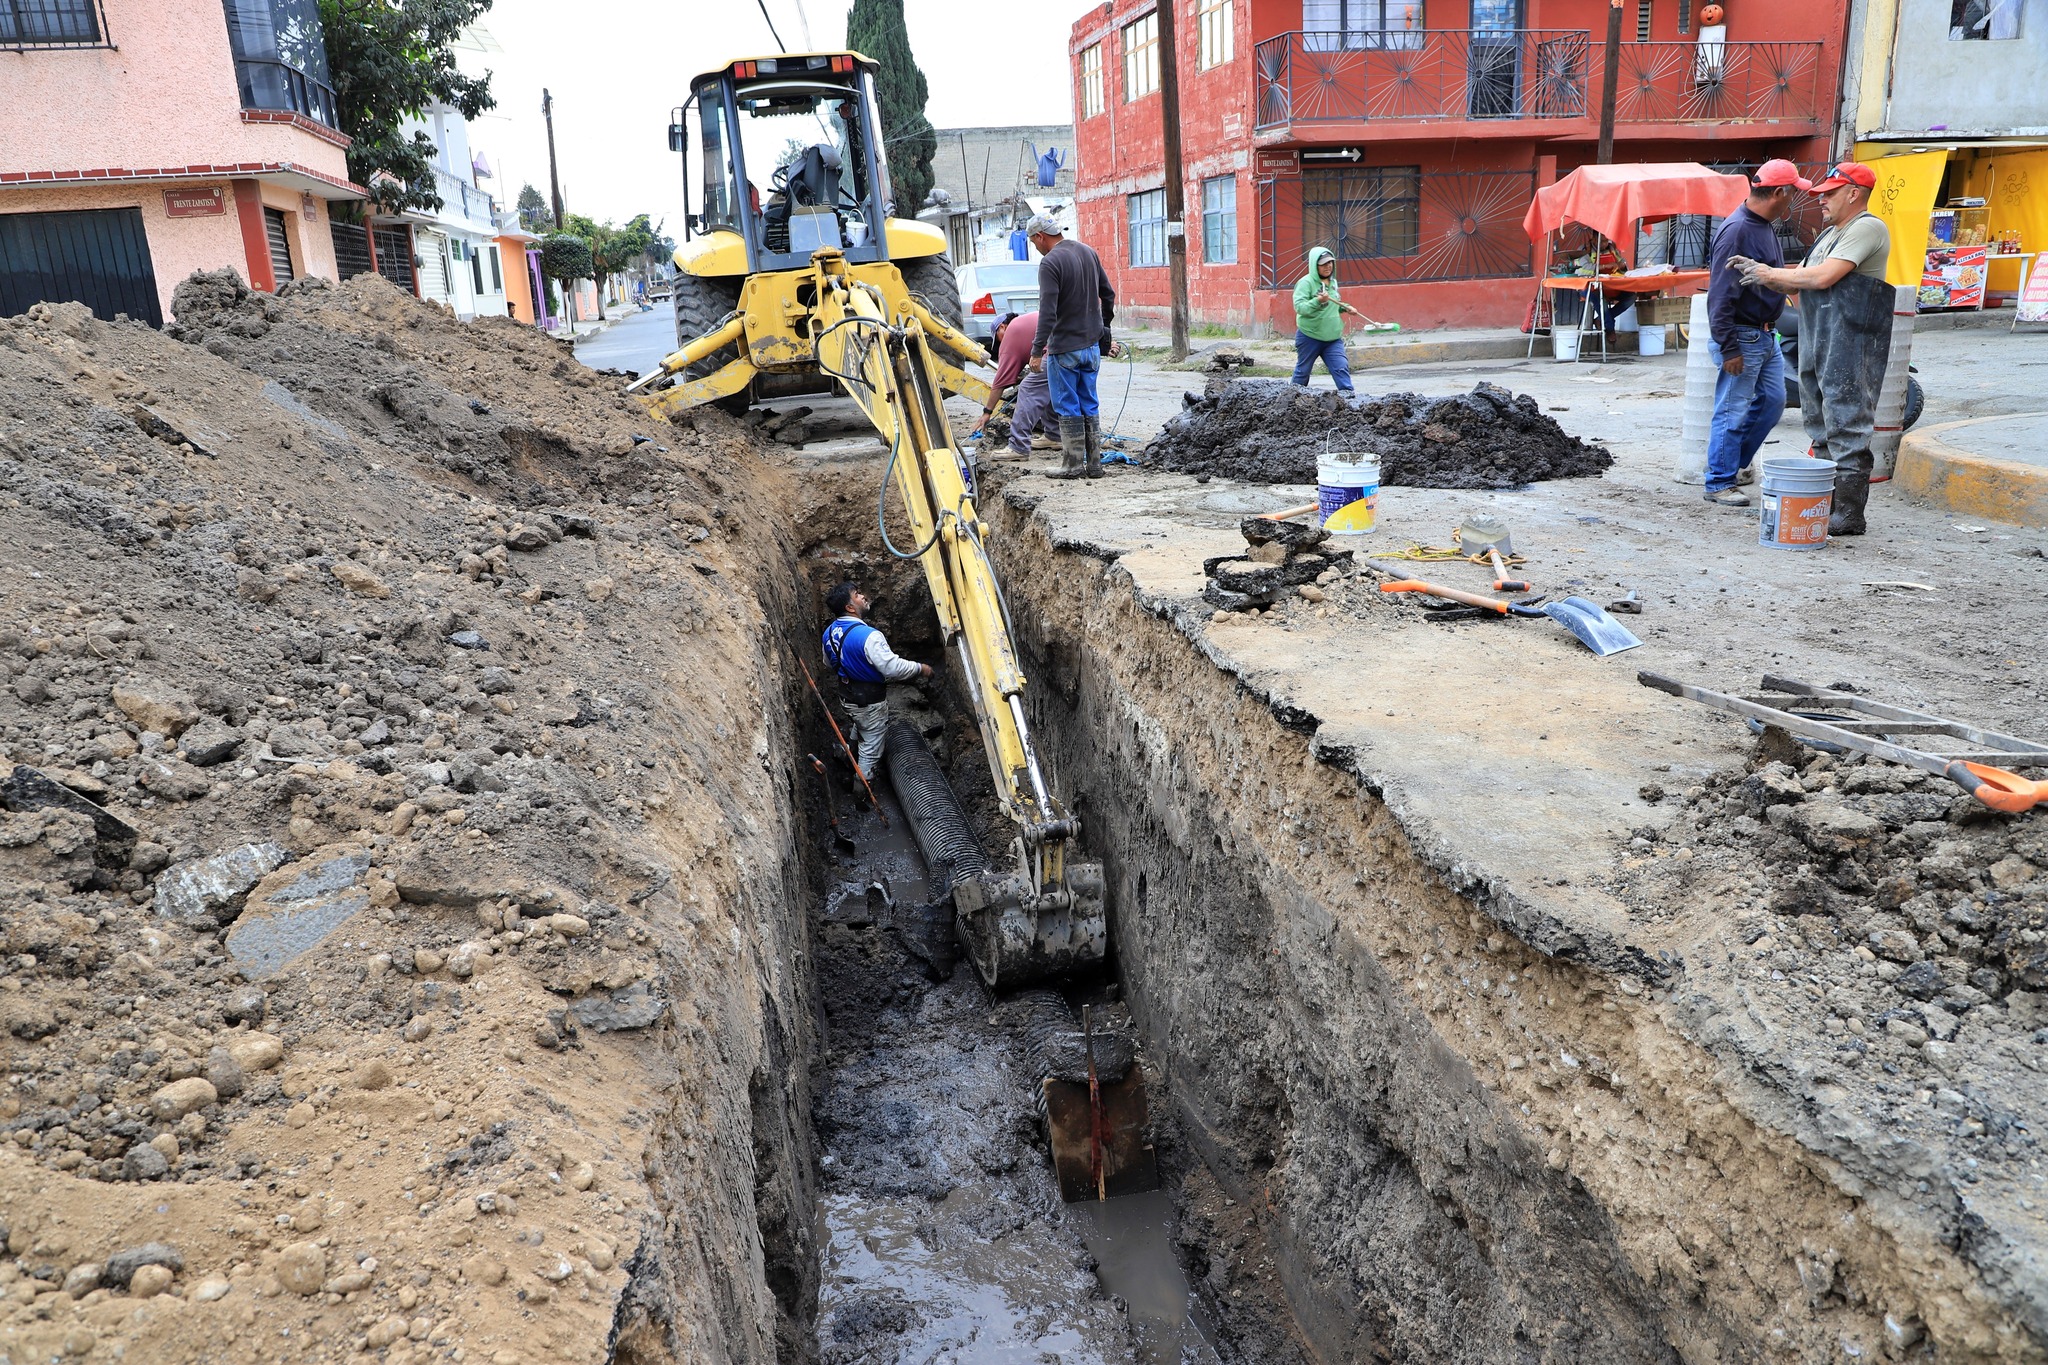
[789, 158]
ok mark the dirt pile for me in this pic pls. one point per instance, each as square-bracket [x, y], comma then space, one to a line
[387, 911]
[1271, 431]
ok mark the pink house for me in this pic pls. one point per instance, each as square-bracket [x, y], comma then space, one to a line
[141, 140]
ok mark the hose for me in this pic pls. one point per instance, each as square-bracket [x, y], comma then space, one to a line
[882, 506]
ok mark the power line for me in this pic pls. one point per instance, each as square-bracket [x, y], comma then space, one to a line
[770, 22]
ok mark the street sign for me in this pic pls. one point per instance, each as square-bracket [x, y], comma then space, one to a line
[1276, 162]
[1334, 154]
[200, 201]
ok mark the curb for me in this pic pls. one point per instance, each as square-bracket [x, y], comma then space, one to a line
[1934, 469]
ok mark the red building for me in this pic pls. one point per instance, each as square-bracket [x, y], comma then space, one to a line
[1410, 135]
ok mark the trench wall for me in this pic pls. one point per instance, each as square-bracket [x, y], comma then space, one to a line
[1462, 1149]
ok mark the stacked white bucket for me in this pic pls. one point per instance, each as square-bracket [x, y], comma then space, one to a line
[1699, 398]
[1891, 399]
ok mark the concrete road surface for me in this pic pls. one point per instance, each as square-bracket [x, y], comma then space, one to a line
[636, 342]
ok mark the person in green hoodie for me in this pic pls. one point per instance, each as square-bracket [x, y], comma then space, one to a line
[1319, 322]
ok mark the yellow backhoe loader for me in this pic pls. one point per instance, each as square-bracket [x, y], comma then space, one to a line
[818, 286]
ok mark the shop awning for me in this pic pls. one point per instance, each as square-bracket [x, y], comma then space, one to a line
[1612, 199]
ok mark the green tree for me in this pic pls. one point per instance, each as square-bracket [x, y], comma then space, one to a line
[565, 256]
[534, 213]
[390, 59]
[877, 29]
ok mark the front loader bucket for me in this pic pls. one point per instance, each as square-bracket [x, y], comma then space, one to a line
[1014, 936]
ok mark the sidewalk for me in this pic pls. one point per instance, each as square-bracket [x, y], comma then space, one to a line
[1995, 468]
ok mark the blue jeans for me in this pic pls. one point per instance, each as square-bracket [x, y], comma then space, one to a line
[1071, 376]
[1307, 350]
[1746, 405]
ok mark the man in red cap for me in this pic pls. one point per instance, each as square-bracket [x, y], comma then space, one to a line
[1749, 392]
[1845, 327]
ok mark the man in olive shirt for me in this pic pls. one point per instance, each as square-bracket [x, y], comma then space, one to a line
[1845, 327]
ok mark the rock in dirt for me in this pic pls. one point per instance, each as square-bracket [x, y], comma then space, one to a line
[294, 909]
[46, 846]
[302, 1267]
[1271, 431]
[156, 705]
[209, 742]
[215, 888]
[122, 1265]
[634, 1007]
[180, 1098]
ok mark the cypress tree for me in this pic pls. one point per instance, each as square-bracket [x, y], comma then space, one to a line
[876, 29]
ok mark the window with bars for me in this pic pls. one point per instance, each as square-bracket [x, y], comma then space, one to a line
[1147, 227]
[1091, 80]
[1219, 220]
[1141, 57]
[1354, 25]
[1644, 13]
[1362, 214]
[50, 23]
[1215, 38]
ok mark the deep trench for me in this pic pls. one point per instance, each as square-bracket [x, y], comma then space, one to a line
[1337, 1184]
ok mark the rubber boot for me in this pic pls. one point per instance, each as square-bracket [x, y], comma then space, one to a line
[1093, 432]
[1073, 449]
[1852, 492]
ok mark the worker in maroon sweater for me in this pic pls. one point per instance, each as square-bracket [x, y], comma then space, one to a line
[1014, 334]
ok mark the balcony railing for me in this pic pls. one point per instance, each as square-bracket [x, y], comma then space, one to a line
[1684, 82]
[460, 199]
[276, 85]
[1437, 74]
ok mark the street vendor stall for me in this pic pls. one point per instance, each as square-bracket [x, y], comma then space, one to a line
[1613, 201]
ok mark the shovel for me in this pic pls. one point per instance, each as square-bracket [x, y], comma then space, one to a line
[1596, 630]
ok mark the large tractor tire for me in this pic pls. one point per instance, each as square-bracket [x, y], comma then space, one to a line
[932, 280]
[701, 305]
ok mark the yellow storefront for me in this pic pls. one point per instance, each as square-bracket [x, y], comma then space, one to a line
[2011, 181]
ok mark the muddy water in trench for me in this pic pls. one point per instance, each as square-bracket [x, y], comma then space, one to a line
[944, 1236]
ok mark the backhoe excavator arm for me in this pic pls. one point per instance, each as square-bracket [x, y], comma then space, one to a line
[860, 326]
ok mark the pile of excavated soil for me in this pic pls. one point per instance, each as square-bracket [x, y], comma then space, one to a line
[1271, 431]
[396, 875]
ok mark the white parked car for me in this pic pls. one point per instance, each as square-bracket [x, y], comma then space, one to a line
[989, 289]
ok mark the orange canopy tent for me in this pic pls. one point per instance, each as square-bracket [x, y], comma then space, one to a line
[1613, 199]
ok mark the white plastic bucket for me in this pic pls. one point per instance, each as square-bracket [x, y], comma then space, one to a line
[1564, 344]
[1650, 340]
[1348, 492]
[1698, 413]
[1798, 495]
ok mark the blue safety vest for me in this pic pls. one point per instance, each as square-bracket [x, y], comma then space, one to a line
[846, 649]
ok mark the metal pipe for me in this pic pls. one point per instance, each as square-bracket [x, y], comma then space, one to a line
[1030, 755]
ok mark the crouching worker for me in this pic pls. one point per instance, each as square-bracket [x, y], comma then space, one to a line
[866, 665]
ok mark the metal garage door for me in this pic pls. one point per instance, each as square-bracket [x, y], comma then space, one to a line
[98, 257]
[280, 245]
[394, 256]
[351, 248]
[433, 258]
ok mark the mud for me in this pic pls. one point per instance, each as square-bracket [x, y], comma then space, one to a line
[1271, 431]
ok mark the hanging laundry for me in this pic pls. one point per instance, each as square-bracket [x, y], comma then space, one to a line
[1050, 163]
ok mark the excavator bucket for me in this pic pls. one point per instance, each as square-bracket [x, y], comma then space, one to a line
[1016, 936]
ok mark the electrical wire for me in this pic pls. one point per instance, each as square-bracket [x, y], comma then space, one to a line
[771, 25]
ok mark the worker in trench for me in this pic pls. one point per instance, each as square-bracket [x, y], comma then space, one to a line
[861, 656]
[1845, 331]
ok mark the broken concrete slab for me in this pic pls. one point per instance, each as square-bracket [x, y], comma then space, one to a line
[292, 911]
[214, 889]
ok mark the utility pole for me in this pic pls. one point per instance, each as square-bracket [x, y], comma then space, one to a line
[1606, 155]
[1176, 206]
[547, 111]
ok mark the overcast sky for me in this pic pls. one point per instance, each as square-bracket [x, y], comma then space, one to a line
[616, 68]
